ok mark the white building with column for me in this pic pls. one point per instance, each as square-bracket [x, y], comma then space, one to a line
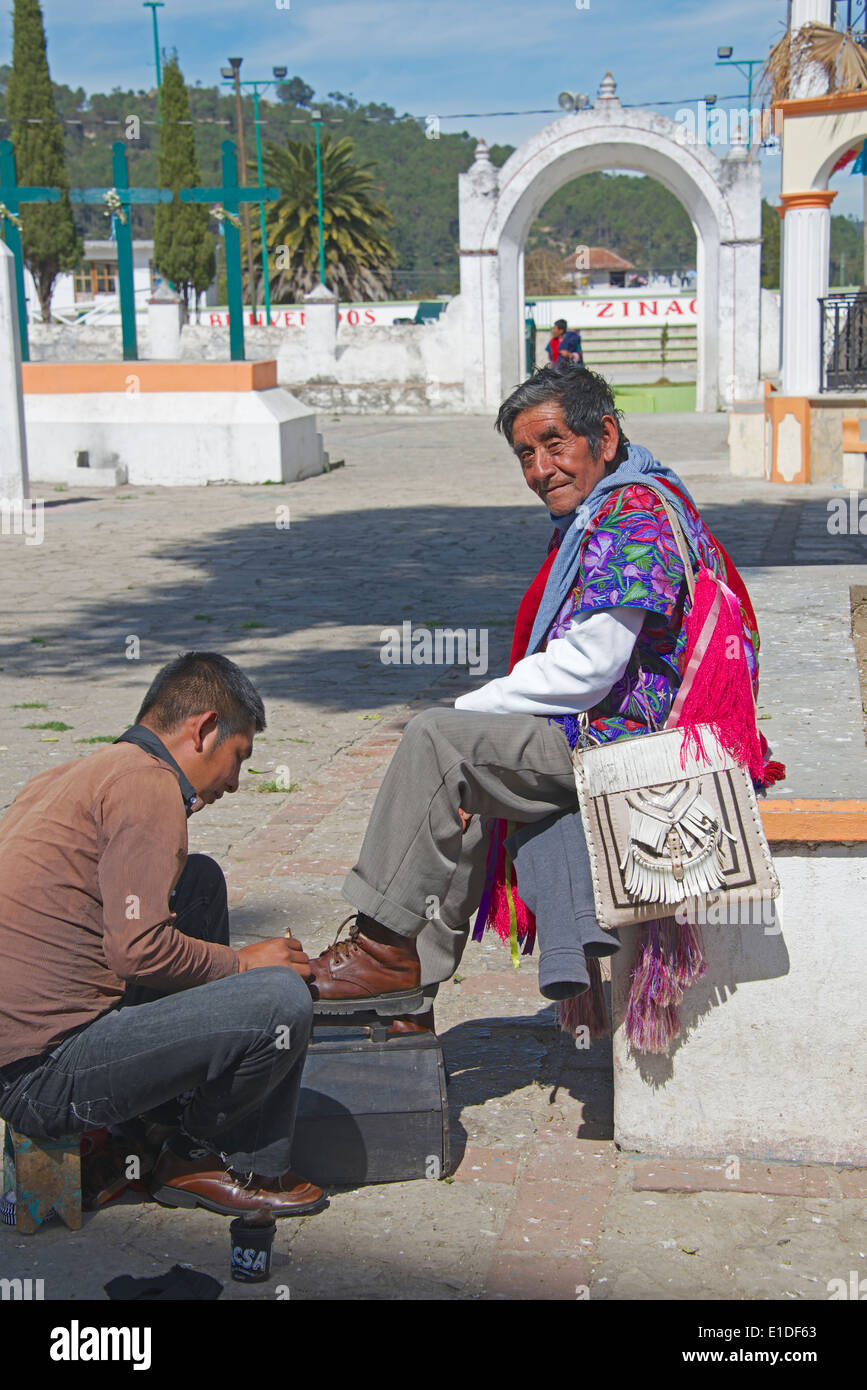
[805, 424]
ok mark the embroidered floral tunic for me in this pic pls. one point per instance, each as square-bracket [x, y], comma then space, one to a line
[631, 561]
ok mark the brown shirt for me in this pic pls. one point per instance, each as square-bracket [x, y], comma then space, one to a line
[89, 854]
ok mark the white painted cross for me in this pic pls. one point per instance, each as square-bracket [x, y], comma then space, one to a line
[14, 485]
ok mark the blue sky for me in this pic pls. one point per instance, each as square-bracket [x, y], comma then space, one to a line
[433, 56]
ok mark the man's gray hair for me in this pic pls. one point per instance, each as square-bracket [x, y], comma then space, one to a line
[583, 396]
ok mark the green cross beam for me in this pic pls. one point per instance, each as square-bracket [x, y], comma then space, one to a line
[12, 195]
[229, 196]
[123, 235]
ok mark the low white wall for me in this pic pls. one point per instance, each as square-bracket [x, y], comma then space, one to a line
[772, 1061]
[404, 367]
[176, 437]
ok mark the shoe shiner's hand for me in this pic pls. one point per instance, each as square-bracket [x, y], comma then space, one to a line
[279, 950]
[466, 817]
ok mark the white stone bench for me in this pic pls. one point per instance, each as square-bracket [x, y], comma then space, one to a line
[772, 1059]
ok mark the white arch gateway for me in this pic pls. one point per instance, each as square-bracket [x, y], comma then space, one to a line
[721, 196]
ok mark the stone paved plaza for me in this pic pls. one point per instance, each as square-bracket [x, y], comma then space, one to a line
[427, 520]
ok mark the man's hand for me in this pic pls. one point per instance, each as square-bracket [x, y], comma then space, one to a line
[466, 817]
[279, 950]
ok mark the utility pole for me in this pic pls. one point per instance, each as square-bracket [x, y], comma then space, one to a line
[279, 76]
[317, 122]
[153, 6]
[234, 71]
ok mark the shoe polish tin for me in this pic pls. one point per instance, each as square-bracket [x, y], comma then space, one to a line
[252, 1238]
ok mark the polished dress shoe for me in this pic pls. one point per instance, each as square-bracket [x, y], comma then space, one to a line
[203, 1181]
[371, 963]
[413, 1023]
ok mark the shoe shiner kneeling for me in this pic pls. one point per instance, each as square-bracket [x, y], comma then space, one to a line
[120, 996]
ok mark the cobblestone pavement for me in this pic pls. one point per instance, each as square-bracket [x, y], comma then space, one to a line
[427, 520]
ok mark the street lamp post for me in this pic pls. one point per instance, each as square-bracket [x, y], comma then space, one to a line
[745, 67]
[709, 101]
[232, 73]
[279, 76]
[153, 6]
[317, 121]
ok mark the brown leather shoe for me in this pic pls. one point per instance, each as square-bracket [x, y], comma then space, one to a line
[372, 962]
[204, 1182]
[414, 1023]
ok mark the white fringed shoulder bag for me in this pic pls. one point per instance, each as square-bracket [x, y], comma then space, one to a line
[666, 836]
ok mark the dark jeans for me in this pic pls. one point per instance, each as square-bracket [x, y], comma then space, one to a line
[237, 1045]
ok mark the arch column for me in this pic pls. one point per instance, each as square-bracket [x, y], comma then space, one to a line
[806, 251]
[480, 283]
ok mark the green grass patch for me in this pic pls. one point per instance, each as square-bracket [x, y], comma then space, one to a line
[39, 641]
[98, 738]
[273, 786]
[56, 724]
[202, 618]
[31, 704]
[656, 396]
[253, 623]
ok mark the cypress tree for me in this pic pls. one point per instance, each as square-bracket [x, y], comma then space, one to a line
[48, 234]
[183, 246]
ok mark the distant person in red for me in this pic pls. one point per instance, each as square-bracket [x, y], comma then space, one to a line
[565, 342]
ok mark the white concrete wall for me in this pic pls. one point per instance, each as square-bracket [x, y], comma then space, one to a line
[746, 440]
[772, 1062]
[771, 340]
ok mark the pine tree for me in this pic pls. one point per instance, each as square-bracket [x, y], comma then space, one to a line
[48, 234]
[183, 246]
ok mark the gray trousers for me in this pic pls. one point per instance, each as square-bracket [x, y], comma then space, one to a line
[554, 880]
[416, 873]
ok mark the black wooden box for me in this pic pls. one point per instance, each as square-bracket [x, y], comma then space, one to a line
[372, 1108]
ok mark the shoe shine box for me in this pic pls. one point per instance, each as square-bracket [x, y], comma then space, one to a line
[372, 1108]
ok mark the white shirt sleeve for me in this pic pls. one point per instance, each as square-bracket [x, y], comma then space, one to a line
[573, 673]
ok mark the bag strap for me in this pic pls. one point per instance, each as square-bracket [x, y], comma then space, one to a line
[679, 538]
[710, 621]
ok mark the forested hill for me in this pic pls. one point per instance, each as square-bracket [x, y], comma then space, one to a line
[635, 217]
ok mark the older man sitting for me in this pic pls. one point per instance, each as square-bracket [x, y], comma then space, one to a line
[600, 631]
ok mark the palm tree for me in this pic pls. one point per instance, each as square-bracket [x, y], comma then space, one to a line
[358, 256]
